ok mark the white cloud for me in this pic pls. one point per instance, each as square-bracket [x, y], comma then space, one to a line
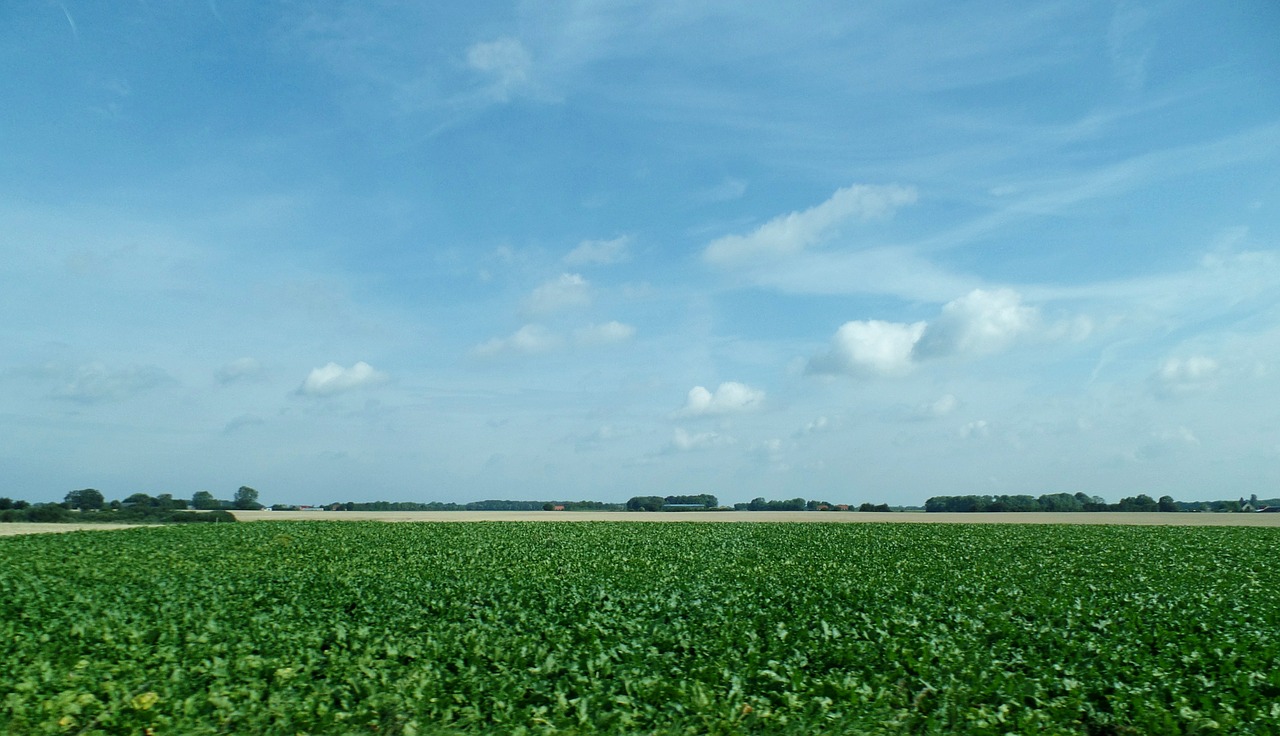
[334, 379]
[1177, 376]
[599, 252]
[730, 397]
[241, 422]
[869, 347]
[684, 441]
[535, 338]
[945, 405]
[771, 451]
[94, 382]
[238, 370]
[976, 430]
[726, 191]
[569, 290]
[1166, 442]
[793, 232]
[818, 426]
[603, 334]
[528, 340]
[506, 61]
[977, 323]
[1075, 329]
[1129, 46]
[605, 434]
[892, 270]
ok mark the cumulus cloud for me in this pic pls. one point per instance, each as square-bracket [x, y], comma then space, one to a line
[94, 382]
[729, 397]
[505, 61]
[869, 347]
[569, 290]
[599, 252]
[334, 379]
[238, 370]
[793, 232]
[528, 340]
[976, 430]
[603, 334]
[1177, 376]
[977, 323]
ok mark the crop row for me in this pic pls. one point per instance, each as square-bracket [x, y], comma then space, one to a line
[365, 627]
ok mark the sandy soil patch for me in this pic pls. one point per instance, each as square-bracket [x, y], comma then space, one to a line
[1153, 519]
[23, 527]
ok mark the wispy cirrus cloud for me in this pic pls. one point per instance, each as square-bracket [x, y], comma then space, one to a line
[94, 383]
[535, 339]
[606, 333]
[1179, 376]
[600, 252]
[794, 232]
[530, 339]
[682, 440]
[241, 369]
[507, 64]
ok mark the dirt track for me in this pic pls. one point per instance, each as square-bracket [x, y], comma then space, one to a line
[1154, 519]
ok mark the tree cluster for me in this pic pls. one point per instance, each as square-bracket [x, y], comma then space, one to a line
[1047, 502]
[761, 504]
[696, 502]
[89, 504]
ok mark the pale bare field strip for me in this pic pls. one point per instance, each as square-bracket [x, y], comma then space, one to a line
[23, 527]
[841, 517]
[830, 517]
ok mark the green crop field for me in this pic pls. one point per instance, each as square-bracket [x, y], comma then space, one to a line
[364, 627]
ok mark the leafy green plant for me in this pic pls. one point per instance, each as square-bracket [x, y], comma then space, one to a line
[617, 627]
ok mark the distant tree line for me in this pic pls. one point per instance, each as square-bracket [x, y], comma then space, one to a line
[89, 504]
[800, 504]
[1083, 502]
[581, 506]
[490, 505]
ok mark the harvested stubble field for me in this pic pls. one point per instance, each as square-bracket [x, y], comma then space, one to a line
[313, 628]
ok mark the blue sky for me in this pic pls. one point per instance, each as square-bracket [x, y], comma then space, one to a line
[858, 252]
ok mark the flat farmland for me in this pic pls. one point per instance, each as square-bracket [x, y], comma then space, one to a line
[826, 517]
[287, 627]
[721, 517]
